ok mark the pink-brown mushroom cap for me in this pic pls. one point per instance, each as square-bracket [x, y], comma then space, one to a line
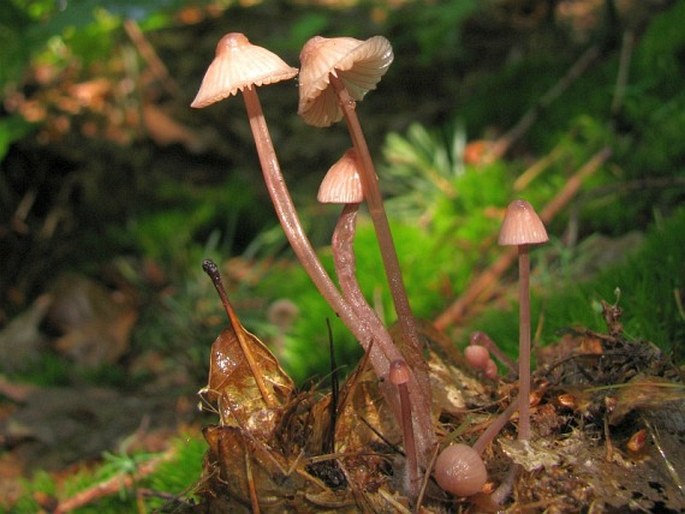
[399, 372]
[460, 470]
[490, 369]
[239, 64]
[342, 183]
[521, 225]
[477, 356]
[359, 64]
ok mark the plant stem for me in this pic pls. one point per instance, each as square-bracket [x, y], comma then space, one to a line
[374, 202]
[409, 440]
[524, 343]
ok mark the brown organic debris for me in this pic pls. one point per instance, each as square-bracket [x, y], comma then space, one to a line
[592, 392]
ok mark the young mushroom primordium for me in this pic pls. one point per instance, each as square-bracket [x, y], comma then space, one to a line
[240, 66]
[460, 470]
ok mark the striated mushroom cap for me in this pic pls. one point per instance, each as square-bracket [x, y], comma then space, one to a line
[239, 64]
[342, 183]
[521, 225]
[359, 64]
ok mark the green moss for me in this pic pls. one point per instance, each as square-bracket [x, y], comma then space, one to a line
[175, 476]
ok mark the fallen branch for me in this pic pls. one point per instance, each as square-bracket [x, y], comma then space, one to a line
[481, 287]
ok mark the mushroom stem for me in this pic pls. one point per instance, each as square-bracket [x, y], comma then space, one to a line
[504, 489]
[343, 255]
[494, 428]
[399, 376]
[378, 216]
[524, 343]
[285, 210]
[414, 412]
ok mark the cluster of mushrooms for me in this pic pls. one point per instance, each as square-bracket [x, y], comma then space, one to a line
[335, 73]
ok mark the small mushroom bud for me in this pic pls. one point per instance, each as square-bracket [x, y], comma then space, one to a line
[482, 339]
[477, 356]
[460, 470]
[490, 370]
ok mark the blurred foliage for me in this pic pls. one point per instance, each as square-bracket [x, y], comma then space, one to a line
[37, 28]
[435, 30]
[173, 475]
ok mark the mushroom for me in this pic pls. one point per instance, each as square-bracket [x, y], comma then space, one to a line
[477, 356]
[240, 66]
[358, 64]
[399, 376]
[335, 73]
[479, 338]
[341, 185]
[490, 370]
[460, 470]
[522, 228]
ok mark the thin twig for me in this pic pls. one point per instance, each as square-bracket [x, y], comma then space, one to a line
[530, 174]
[112, 485]
[213, 271]
[146, 50]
